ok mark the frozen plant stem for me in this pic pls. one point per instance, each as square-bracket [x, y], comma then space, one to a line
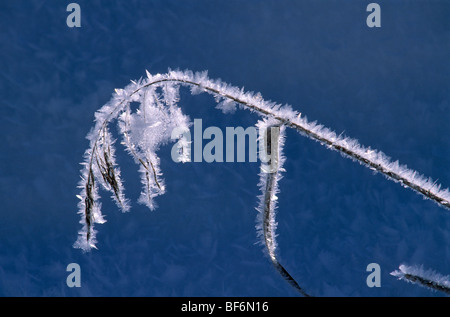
[144, 131]
[424, 278]
[273, 140]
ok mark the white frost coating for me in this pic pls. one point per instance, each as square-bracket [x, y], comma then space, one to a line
[227, 106]
[86, 236]
[426, 278]
[107, 172]
[266, 224]
[153, 184]
[144, 131]
[149, 128]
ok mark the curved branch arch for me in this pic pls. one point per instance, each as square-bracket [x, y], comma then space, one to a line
[155, 122]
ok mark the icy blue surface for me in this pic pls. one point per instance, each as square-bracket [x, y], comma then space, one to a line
[387, 87]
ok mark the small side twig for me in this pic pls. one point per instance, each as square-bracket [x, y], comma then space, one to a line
[425, 278]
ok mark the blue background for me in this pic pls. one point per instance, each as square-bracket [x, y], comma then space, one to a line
[388, 87]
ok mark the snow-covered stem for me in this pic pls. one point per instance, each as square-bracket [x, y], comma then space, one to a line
[271, 140]
[425, 278]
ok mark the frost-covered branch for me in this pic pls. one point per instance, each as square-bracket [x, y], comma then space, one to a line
[425, 278]
[271, 140]
[375, 160]
[158, 116]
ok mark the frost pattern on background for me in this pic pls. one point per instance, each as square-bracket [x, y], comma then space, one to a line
[150, 126]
